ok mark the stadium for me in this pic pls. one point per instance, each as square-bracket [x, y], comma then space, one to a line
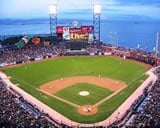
[72, 79]
[78, 90]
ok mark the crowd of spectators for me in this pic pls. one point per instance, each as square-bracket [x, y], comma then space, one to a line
[157, 71]
[148, 113]
[31, 51]
[16, 112]
[11, 55]
[145, 111]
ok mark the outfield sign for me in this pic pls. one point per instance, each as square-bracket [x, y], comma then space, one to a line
[74, 33]
[79, 36]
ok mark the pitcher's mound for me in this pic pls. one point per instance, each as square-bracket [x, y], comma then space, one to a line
[87, 110]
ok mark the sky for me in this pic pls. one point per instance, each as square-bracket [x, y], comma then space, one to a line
[79, 8]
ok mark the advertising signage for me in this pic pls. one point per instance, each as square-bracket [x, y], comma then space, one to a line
[59, 30]
[83, 29]
[75, 30]
[73, 33]
[79, 36]
[87, 29]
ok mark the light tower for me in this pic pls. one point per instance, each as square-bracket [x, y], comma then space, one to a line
[96, 21]
[157, 41]
[53, 18]
[114, 37]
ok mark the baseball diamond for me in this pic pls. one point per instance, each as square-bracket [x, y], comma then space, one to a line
[58, 82]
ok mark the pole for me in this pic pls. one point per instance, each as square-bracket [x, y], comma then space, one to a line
[156, 48]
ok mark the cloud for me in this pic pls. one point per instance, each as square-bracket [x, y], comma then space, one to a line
[138, 2]
[146, 8]
[39, 8]
[24, 8]
[74, 5]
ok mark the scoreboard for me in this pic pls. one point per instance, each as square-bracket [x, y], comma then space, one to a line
[70, 33]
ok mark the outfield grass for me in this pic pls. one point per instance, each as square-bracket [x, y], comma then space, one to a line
[96, 93]
[33, 75]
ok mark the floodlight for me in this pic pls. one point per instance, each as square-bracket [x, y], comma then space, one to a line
[53, 9]
[53, 17]
[97, 8]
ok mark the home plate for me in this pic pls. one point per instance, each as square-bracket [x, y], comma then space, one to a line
[87, 110]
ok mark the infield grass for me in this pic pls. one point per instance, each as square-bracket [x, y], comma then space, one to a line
[96, 93]
[33, 75]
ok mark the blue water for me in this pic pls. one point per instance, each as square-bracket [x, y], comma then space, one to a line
[128, 33]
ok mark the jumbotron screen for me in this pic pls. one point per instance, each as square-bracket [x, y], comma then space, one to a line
[81, 33]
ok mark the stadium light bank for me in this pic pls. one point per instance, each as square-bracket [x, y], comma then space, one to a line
[96, 21]
[53, 17]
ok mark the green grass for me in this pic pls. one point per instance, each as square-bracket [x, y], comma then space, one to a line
[37, 74]
[96, 93]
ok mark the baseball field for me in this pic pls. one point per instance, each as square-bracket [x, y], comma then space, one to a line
[84, 89]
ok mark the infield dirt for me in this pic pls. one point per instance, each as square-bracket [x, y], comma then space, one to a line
[53, 87]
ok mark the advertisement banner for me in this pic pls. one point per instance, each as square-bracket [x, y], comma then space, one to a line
[66, 36]
[66, 33]
[87, 29]
[79, 36]
[91, 37]
[84, 29]
[65, 29]
[90, 29]
[59, 29]
[75, 30]
[75, 33]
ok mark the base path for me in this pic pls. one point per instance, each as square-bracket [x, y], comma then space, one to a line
[63, 100]
[52, 87]
[59, 84]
